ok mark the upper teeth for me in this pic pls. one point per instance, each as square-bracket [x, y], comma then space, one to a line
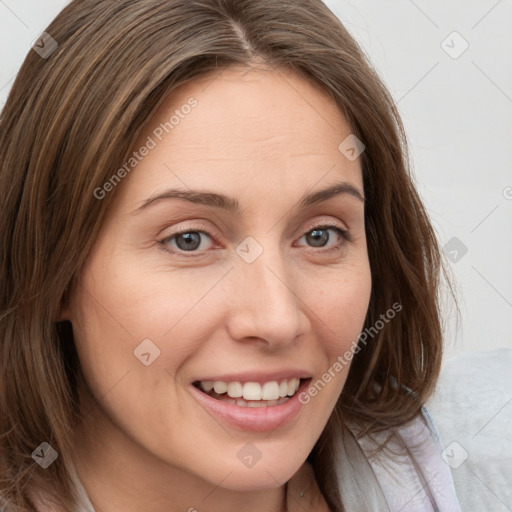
[272, 390]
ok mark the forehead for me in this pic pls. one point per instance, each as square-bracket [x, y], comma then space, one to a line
[255, 107]
[245, 129]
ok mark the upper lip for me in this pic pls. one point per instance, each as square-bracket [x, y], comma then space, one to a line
[258, 376]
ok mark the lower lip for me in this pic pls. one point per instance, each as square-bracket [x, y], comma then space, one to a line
[257, 419]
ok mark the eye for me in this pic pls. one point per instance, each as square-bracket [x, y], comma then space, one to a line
[185, 240]
[319, 237]
[188, 240]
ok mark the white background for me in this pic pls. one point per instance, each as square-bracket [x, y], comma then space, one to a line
[457, 111]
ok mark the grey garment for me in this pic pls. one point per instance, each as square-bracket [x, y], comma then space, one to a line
[412, 473]
[473, 410]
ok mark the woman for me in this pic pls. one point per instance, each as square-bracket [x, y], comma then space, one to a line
[220, 285]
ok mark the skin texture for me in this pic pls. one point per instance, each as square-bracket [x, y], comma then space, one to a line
[266, 138]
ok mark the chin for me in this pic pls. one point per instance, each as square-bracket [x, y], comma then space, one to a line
[247, 481]
[262, 476]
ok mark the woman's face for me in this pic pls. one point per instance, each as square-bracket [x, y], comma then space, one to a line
[242, 279]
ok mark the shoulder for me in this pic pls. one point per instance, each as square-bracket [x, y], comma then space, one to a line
[472, 385]
[410, 470]
[472, 406]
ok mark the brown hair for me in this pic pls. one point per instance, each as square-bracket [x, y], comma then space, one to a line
[71, 119]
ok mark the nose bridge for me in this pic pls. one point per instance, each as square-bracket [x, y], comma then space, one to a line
[266, 305]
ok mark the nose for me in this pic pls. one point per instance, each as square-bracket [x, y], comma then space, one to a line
[265, 302]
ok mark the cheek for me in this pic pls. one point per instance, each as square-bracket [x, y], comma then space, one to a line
[125, 299]
[123, 311]
[181, 309]
[112, 312]
[340, 306]
[117, 319]
[103, 344]
[123, 303]
[341, 302]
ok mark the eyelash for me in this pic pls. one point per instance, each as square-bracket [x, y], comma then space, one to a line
[344, 234]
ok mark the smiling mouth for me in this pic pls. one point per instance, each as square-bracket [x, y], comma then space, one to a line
[251, 394]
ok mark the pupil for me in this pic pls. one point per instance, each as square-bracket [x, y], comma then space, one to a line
[316, 236]
[192, 241]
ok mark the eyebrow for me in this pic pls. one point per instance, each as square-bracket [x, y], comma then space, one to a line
[231, 204]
